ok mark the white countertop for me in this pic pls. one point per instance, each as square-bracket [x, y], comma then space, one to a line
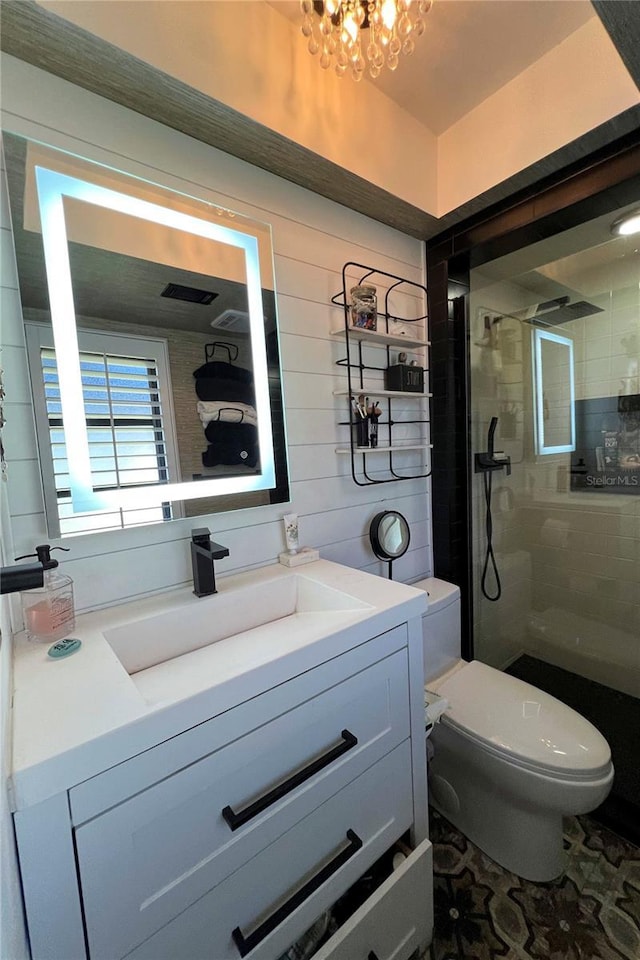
[77, 716]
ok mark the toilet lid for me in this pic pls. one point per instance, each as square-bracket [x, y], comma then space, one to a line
[521, 721]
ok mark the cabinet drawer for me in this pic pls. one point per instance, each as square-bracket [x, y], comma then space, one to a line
[274, 898]
[395, 920]
[178, 839]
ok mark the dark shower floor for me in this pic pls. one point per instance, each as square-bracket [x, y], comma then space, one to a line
[617, 716]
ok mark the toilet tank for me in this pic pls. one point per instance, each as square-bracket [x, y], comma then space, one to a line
[440, 626]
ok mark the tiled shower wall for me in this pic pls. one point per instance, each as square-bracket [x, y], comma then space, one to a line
[574, 556]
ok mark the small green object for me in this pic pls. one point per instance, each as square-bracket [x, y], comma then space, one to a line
[63, 648]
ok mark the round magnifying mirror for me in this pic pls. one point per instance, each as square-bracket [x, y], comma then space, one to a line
[389, 535]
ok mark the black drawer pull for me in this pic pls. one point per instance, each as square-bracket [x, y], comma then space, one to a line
[246, 944]
[236, 820]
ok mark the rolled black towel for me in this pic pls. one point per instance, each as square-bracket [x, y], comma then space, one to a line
[223, 371]
[208, 389]
[230, 443]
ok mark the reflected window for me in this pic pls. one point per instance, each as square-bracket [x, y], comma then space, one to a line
[129, 427]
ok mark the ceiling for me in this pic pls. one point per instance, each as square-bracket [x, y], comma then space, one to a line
[470, 49]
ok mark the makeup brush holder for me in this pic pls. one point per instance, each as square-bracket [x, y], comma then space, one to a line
[373, 431]
[360, 431]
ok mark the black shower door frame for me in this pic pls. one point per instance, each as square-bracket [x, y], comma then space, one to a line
[596, 185]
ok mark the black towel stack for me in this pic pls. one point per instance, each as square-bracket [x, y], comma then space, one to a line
[227, 411]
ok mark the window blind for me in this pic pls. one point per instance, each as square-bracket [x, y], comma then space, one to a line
[127, 446]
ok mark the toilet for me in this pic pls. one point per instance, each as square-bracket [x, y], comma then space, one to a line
[509, 761]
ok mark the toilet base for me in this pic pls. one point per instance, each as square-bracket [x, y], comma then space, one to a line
[528, 844]
[514, 815]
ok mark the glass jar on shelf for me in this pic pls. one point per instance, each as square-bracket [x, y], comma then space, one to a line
[364, 307]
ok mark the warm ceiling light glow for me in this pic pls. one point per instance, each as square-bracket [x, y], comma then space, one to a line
[625, 226]
[335, 30]
[388, 13]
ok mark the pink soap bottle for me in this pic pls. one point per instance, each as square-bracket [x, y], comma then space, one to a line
[48, 610]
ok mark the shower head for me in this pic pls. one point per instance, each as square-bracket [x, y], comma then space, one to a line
[552, 313]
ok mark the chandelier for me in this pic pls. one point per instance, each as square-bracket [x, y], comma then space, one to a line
[335, 30]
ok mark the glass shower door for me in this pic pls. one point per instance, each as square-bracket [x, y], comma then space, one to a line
[554, 354]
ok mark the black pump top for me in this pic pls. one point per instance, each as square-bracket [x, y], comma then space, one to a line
[43, 553]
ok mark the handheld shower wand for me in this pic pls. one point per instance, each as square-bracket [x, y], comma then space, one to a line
[491, 436]
[485, 463]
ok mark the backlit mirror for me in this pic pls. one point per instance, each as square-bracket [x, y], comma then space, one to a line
[554, 389]
[151, 333]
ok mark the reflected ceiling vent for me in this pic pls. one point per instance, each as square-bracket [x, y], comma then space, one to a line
[551, 313]
[235, 320]
[176, 291]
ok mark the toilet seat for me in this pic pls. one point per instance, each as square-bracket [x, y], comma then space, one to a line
[521, 724]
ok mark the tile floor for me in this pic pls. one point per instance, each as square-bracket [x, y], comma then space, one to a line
[483, 912]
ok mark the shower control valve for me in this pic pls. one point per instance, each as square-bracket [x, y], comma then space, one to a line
[486, 461]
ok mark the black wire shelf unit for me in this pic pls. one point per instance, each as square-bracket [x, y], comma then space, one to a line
[356, 339]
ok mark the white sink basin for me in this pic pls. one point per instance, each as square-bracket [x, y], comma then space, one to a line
[293, 602]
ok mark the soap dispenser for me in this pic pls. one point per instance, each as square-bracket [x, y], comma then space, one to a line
[48, 610]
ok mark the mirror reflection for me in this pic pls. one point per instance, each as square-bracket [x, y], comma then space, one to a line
[152, 339]
[394, 535]
[390, 536]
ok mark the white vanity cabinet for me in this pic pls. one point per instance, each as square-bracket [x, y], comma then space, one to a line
[232, 837]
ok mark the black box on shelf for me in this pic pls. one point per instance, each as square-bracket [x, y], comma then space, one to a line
[404, 376]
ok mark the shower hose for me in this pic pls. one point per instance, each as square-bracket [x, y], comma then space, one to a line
[489, 557]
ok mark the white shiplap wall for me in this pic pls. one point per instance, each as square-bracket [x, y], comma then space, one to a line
[312, 237]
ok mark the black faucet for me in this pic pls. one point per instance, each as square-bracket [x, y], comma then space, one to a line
[203, 552]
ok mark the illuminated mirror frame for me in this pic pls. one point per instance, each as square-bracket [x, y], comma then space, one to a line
[542, 448]
[53, 188]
